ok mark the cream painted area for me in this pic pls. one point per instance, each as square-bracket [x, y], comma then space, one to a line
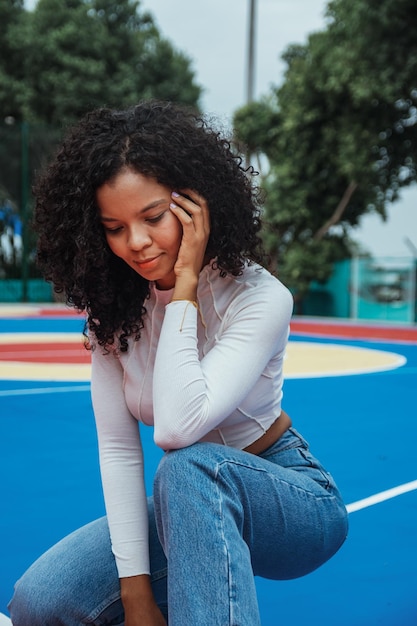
[304, 359]
[307, 359]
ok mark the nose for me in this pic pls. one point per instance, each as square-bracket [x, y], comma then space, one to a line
[139, 238]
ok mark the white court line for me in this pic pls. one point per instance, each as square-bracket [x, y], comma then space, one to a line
[380, 497]
[29, 392]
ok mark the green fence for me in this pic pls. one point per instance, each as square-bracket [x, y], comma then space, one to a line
[24, 151]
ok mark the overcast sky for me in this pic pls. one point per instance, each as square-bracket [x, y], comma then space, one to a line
[214, 35]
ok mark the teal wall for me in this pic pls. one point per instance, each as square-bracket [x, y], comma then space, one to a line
[331, 299]
[349, 292]
[37, 290]
[356, 290]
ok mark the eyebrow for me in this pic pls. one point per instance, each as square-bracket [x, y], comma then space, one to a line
[148, 207]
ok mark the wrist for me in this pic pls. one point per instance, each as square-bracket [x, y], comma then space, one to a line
[134, 589]
[185, 290]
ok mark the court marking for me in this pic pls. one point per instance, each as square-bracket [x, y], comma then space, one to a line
[375, 607]
[42, 390]
[381, 496]
[63, 357]
[311, 359]
[303, 360]
[353, 507]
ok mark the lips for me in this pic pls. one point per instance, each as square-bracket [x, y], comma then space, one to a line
[146, 262]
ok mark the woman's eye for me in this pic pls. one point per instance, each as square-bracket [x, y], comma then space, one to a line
[157, 218]
[112, 231]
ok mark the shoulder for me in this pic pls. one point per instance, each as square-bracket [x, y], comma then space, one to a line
[255, 281]
[258, 279]
[266, 294]
[255, 291]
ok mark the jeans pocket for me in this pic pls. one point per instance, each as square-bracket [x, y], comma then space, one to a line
[315, 469]
[292, 451]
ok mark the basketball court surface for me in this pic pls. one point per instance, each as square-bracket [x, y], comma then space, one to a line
[350, 389]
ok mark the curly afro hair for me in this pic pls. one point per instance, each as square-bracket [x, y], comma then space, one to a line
[169, 143]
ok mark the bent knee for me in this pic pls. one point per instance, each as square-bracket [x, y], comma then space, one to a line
[188, 472]
[182, 462]
[29, 602]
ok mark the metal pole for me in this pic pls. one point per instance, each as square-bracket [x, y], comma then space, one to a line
[25, 209]
[250, 84]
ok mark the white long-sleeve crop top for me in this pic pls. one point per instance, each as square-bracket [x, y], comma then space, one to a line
[207, 374]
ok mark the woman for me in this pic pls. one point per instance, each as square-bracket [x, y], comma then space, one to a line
[149, 223]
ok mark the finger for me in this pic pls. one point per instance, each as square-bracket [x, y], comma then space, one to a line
[196, 205]
[191, 195]
[187, 212]
[183, 216]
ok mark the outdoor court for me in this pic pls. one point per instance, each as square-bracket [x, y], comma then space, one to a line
[350, 390]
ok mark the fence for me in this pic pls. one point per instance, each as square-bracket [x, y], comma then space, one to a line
[364, 288]
[369, 289]
[24, 149]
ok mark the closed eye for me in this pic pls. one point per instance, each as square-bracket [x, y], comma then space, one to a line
[112, 231]
[157, 218]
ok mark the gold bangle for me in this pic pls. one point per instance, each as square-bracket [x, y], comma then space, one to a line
[195, 304]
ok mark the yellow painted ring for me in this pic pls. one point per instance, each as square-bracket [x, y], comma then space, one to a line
[308, 359]
[303, 360]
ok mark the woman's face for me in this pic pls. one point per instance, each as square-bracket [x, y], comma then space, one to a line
[139, 225]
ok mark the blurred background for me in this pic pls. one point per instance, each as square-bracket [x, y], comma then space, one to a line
[319, 96]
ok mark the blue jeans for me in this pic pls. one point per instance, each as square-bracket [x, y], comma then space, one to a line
[220, 516]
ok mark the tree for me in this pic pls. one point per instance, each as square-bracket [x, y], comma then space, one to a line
[98, 53]
[339, 134]
[69, 56]
[12, 83]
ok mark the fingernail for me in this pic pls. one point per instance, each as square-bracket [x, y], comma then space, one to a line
[175, 194]
[172, 205]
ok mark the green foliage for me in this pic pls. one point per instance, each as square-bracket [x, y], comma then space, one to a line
[70, 56]
[340, 133]
[63, 59]
[12, 27]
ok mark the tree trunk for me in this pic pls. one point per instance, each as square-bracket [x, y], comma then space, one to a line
[337, 215]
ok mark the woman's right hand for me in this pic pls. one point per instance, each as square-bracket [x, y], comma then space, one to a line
[150, 616]
[139, 603]
[192, 212]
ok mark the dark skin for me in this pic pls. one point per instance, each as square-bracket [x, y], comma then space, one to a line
[192, 213]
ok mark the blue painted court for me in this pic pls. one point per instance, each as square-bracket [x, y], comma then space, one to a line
[351, 391]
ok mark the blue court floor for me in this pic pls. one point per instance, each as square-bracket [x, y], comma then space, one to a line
[353, 399]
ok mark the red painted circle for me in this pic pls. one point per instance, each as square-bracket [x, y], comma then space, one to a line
[59, 352]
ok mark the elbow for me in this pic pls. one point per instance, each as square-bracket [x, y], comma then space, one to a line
[171, 433]
[172, 440]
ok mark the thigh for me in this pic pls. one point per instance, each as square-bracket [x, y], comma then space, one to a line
[298, 519]
[76, 581]
[283, 505]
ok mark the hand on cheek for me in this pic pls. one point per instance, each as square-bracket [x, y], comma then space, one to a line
[192, 211]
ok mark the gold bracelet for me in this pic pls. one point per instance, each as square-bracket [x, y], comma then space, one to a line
[195, 304]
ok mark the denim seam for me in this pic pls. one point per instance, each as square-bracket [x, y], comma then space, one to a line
[162, 573]
[226, 549]
[323, 473]
[272, 476]
[89, 619]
